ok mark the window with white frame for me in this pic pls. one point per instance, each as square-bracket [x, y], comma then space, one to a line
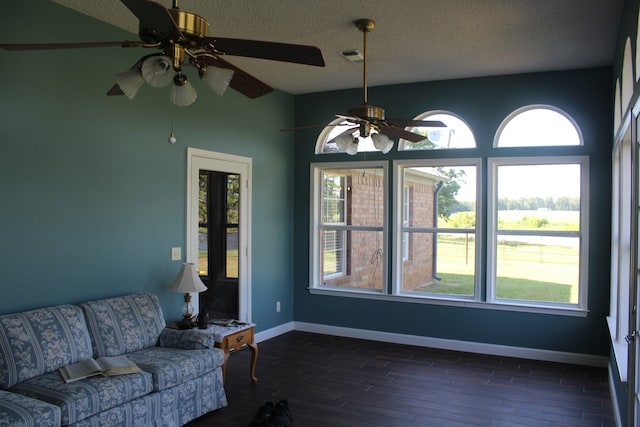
[348, 231]
[538, 126]
[537, 250]
[533, 255]
[621, 217]
[537, 215]
[455, 134]
[441, 196]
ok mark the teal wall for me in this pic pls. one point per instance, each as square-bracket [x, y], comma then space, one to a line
[483, 103]
[93, 195]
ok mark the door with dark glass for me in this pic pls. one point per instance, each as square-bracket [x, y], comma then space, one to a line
[218, 237]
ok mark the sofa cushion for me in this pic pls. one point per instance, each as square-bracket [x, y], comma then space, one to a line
[17, 410]
[40, 341]
[172, 366]
[123, 324]
[84, 398]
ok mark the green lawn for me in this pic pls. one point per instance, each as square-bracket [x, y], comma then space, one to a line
[546, 220]
[232, 263]
[525, 271]
[542, 269]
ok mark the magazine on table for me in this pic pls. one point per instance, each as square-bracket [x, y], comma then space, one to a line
[227, 322]
[112, 365]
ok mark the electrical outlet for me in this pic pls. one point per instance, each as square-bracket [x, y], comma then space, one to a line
[277, 306]
[176, 254]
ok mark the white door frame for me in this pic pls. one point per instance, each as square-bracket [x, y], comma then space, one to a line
[213, 161]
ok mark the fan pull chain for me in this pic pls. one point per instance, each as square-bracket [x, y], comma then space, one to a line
[172, 137]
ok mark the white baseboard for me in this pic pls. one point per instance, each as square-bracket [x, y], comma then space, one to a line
[614, 400]
[445, 344]
[273, 332]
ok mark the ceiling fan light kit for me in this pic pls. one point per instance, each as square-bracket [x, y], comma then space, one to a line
[182, 38]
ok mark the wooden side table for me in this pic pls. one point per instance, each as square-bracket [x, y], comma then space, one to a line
[232, 338]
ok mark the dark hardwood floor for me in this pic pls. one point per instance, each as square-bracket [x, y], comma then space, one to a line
[334, 381]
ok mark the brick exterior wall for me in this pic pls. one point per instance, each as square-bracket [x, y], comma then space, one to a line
[417, 269]
[365, 249]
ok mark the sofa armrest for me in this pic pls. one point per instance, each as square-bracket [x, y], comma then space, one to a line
[19, 410]
[189, 339]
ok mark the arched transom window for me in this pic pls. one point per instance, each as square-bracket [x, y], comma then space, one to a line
[456, 134]
[538, 126]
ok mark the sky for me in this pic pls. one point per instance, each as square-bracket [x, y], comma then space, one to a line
[541, 126]
[528, 181]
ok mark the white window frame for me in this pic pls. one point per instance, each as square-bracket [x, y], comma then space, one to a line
[492, 232]
[483, 296]
[399, 166]
[316, 251]
[622, 214]
[406, 215]
[342, 233]
[453, 123]
[526, 108]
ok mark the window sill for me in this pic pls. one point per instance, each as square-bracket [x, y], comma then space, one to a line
[620, 350]
[560, 311]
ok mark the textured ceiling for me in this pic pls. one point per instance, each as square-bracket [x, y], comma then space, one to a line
[414, 40]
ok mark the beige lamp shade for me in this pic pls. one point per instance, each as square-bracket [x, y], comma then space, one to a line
[130, 81]
[188, 280]
[382, 142]
[182, 93]
[217, 78]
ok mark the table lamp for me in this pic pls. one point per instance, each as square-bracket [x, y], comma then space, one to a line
[188, 281]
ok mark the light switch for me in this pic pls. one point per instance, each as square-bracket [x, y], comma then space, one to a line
[176, 254]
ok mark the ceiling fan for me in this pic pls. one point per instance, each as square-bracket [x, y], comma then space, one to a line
[367, 118]
[182, 39]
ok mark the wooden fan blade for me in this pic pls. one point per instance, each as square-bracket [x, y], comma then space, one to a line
[299, 54]
[313, 126]
[415, 123]
[115, 90]
[302, 128]
[72, 45]
[156, 23]
[241, 81]
[400, 133]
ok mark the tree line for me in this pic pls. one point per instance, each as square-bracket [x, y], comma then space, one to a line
[539, 203]
[522, 204]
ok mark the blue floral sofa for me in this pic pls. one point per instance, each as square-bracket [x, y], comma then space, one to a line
[181, 376]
